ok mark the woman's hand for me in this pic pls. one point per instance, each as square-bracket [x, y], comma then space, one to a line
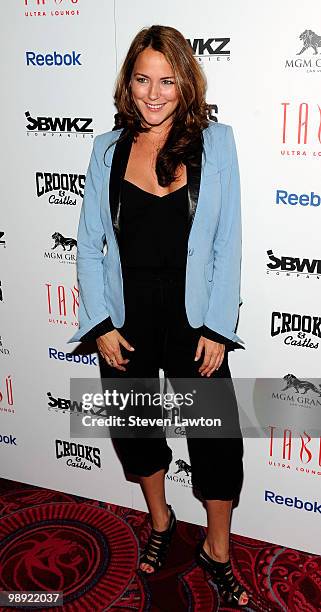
[214, 355]
[109, 348]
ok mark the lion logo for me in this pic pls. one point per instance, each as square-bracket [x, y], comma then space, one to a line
[183, 467]
[310, 39]
[293, 381]
[60, 240]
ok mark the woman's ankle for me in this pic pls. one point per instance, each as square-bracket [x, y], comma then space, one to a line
[217, 553]
[162, 520]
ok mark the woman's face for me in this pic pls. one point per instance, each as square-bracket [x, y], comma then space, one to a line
[153, 88]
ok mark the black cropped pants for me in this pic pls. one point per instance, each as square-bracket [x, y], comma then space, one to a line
[156, 325]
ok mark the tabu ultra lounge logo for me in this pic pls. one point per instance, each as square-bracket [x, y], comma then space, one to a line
[301, 130]
[62, 303]
[51, 8]
[6, 395]
[290, 449]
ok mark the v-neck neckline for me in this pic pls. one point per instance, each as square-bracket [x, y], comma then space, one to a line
[154, 194]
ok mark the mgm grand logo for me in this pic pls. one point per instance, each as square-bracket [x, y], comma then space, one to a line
[290, 402]
[61, 250]
[300, 386]
[310, 43]
[182, 475]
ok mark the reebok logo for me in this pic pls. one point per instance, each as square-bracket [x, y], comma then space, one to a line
[8, 439]
[304, 199]
[61, 356]
[295, 502]
[53, 59]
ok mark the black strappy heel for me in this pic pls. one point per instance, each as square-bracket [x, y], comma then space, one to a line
[229, 588]
[157, 545]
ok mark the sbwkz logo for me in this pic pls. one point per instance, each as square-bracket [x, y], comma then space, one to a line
[59, 125]
[78, 455]
[53, 59]
[290, 266]
[304, 199]
[296, 329]
[210, 48]
[59, 404]
[309, 43]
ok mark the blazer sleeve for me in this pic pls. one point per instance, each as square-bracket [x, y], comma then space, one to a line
[224, 301]
[90, 242]
[213, 335]
[99, 330]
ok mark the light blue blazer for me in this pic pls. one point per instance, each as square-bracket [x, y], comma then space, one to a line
[212, 288]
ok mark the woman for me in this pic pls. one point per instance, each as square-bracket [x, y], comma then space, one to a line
[166, 294]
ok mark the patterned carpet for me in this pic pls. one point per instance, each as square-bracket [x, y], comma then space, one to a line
[89, 550]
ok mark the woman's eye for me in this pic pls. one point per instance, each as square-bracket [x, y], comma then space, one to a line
[164, 82]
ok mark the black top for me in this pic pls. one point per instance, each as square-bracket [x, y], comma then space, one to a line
[153, 229]
[145, 220]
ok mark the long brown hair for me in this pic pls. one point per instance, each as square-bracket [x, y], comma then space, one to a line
[191, 114]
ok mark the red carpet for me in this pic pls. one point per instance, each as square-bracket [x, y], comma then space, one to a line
[89, 550]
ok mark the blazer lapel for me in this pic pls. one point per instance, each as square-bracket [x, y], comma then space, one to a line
[194, 180]
[118, 169]
[117, 173]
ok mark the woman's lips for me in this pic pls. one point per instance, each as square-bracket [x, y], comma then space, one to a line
[155, 107]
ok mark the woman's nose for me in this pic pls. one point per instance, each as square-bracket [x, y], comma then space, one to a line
[153, 92]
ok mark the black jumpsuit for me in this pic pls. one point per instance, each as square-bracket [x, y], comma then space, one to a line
[153, 250]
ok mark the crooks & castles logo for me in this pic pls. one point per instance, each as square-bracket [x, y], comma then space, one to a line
[78, 455]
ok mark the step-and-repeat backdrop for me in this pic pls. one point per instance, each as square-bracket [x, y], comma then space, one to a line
[263, 64]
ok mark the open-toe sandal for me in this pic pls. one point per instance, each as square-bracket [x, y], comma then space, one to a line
[229, 588]
[157, 545]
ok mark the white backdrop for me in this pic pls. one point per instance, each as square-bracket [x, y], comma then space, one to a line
[42, 178]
